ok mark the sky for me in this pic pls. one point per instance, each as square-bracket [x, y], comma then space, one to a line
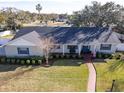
[52, 6]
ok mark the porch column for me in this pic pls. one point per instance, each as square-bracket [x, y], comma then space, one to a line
[94, 51]
[79, 50]
[63, 49]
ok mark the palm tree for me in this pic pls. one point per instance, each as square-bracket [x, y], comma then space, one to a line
[38, 8]
[117, 62]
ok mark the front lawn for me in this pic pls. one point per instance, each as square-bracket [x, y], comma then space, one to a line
[64, 75]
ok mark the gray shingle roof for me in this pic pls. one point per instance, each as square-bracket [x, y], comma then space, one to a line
[71, 35]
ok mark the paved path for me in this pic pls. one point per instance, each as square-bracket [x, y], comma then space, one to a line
[91, 86]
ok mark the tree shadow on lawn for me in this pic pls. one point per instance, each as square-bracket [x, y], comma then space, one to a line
[8, 67]
[73, 62]
[98, 60]
[67, 62]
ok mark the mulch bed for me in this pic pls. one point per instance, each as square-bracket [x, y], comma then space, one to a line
[88, 58]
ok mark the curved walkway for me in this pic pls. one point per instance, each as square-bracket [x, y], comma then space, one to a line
[91, 86]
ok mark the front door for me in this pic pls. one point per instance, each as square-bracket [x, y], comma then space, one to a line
[85, 49]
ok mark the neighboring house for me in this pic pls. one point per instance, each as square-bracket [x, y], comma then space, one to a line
[27, 41]
[5, 33]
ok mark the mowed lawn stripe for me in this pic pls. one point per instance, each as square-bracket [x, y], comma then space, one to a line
[54, 78]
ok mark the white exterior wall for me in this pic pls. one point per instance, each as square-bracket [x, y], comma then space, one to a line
[66, 50]
[33, 51]
[58, 50]
[113, 49]
[11, 50]
[2, 51]
[120, 47]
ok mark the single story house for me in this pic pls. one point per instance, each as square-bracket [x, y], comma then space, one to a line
[27, 41]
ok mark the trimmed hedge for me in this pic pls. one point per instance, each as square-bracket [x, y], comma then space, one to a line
[39, 62]
[103, 56]
[65, 56]
[2, 60]
[22, 61]
[28, 62]
[33, 62]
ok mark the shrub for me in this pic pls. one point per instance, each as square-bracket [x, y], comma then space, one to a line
[100, 55]
[8, 60]
[54, 55]
[116, 56]
[67, 55]
[122, 57]
[3, 60]
[22, 62]
[51, 57]
[96, 55]
[13, 61]
[33, 62]
[79, 56]
[110, 56]
[28, 61]
[40, 62]
[57, 55]
[74, 56]
[106, 55]
[18, 61]
[36, 57]
[62, 56]
[43, 60]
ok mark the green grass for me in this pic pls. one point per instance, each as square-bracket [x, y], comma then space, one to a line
[105, 77]
[7, 36]
[65, 75]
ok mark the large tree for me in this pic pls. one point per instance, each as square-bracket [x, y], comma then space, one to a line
[48, 44]
[97, 15]
[11, 24]
[2, 18]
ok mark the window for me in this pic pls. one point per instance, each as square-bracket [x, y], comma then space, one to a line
[23, 50]
[72, 47]
[105, 47]
[86, 47]
[57, 46]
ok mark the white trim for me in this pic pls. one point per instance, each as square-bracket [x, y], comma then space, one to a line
[11, 41]
[79, 50]
[63, 50]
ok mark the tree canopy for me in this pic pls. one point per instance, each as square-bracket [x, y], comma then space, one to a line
[1, 18]
[98, 15]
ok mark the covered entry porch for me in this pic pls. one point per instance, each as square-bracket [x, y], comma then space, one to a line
[73, 49]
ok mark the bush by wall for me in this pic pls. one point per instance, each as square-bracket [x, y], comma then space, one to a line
[28, 62]
[33, 62]
[3, 60]
[39, 62]
[103, 55]
[22, 61]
